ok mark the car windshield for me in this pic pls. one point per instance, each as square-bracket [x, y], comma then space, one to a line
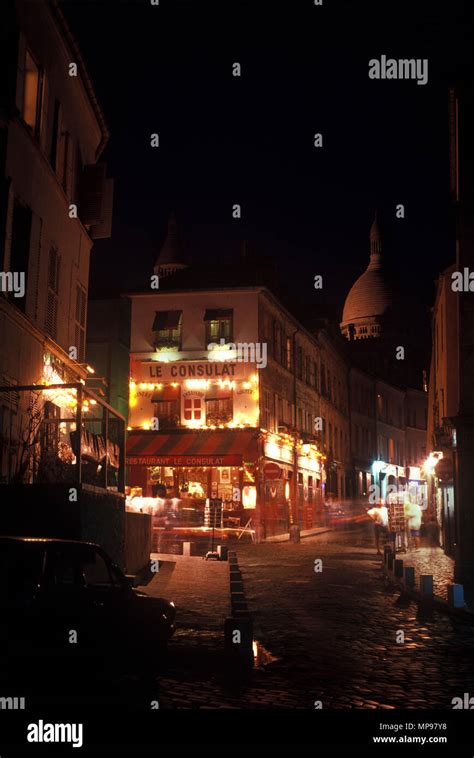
[77, 566]
[21, 565]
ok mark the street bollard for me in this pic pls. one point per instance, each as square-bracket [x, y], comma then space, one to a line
[398, 568]
[387, 550]
[187, 549]
[223, 552]
[456, 595]
[390, 561]
[409, 577]
[294, 533]
[426, 587]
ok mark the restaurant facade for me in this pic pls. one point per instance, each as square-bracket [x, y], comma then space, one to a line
[234, 423]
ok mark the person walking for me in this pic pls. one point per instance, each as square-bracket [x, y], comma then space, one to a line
[379, 514]
[413, 519]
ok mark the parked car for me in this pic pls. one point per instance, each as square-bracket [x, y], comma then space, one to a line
[63, 599]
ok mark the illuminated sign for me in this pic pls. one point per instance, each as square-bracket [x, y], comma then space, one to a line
[147, 370]
[184, 460]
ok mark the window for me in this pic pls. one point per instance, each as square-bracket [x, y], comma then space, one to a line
[391, 450]
[20, 247]
[323, 379]
[300, 487]
[278, 411]
[219, 326]
[268, 334]
[167, 328]
[310, 490]
[65, 161]
[218, 411]
[193, 408]
[33, 95]
[167, 407]
[96, 572]
[276, 341]
[299, 368]
[53, 154]
[51, 320]
[80, 322]
[289, 354]
[268, 413]
[167, 413]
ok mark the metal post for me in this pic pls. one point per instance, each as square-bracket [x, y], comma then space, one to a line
[80, 393]
[106, 430]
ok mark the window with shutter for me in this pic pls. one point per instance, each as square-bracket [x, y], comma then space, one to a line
[51, 320]
[80, 322]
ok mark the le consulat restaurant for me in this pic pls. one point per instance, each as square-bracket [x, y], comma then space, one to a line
[195, 431]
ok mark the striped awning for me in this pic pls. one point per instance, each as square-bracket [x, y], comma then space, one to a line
[215, 447]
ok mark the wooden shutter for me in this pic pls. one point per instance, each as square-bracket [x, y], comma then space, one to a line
[91, 195]
[51, 320]
[103, 230]
[80, 331]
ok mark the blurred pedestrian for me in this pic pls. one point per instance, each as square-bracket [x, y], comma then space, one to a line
[379, 514]
[413, 520]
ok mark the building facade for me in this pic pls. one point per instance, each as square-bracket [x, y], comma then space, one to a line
[225, 403]
[55, 200]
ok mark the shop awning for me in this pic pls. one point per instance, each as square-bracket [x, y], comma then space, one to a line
[216, 314]
[223, 447]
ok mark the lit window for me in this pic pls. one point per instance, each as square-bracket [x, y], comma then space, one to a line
[218, 411]
[30, 92]
[33, 94]
[219, 325]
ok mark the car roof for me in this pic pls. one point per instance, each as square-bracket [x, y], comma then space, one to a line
[47, 540]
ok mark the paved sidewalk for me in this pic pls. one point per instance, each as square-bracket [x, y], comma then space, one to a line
[431, 560]
[200, 589]
[303, 533]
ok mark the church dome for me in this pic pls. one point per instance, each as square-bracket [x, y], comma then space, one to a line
[370, 297]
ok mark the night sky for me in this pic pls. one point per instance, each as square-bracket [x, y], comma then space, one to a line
[249, 140]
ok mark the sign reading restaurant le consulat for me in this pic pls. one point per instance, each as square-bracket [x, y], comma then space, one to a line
[185, 460]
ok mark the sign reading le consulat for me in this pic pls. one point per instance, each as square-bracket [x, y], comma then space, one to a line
[194, 370]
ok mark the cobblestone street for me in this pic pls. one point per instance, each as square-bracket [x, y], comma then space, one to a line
[332, 635]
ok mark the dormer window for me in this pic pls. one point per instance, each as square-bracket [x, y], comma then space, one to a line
[167, 329]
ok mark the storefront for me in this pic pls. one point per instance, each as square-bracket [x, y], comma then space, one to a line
[285, 501]
[249, 470]
[187, 467]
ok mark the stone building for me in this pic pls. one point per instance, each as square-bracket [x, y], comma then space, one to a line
[334, 387]
[223, 382]
[55, 199]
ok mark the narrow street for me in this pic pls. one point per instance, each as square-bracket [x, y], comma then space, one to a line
[333, 636]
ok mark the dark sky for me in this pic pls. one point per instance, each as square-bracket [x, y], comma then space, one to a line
[225, 140]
